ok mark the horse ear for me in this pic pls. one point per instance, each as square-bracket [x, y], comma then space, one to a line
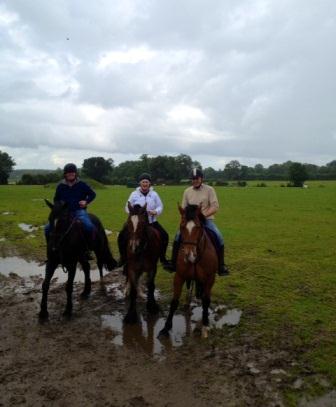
[181, 210]
[129, 206]
[49, 203]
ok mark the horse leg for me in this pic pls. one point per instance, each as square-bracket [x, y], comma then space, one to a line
[69, 289]
[205, 311]
[132, 316]
[87, 285]
[49, 272]
[151, 305]
[178, 284]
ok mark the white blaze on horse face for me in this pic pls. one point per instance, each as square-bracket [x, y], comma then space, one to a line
[135, 221]
[192, 256]
[190, 226]
[55, 223]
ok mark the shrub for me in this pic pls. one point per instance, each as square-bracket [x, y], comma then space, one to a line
[221, 183]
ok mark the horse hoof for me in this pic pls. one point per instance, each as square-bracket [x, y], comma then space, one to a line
[67, 313]
[164, 333]
[152, 307]
[85, 295]
[43, 315]
[205, 332]
[131, 319]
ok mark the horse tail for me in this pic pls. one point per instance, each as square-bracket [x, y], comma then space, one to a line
[104, 251]
[109, 261]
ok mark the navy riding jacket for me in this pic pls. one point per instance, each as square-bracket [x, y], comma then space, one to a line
[80, 191]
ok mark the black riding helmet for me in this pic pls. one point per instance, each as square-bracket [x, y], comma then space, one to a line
[146, 176]
[70, 167]
[196, 173]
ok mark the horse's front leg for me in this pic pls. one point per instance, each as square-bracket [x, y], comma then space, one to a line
[49, 272]
[152, 305]
[132, 316]
[69, 288]
[178, 284]
[87, 285]
[205, 308]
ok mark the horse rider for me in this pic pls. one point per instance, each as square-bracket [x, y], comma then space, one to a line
[145, 194]
[77, 194]
[201, 194]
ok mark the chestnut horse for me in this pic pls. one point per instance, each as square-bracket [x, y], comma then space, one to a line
[196, 261]
[143, 252]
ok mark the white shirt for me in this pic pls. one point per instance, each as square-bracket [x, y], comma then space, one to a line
[152, 200]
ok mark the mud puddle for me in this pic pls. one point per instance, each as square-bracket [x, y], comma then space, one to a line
[26, 269]
[144, 335]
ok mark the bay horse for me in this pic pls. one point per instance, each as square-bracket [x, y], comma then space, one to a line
[67, 245]
[143, 252]
[197, 261]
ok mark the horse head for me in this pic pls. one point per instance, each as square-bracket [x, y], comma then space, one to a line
[59, 219]
[137, 223]
[192, 232]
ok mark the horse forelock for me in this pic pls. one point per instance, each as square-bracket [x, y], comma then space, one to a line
[190, 212]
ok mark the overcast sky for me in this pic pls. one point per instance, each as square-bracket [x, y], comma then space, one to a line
[218, 80]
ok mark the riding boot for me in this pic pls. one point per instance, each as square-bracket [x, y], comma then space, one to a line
[222, 269]
[122, 245]
[163, 259]
[171, 266]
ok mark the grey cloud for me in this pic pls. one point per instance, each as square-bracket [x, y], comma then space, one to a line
[261, 74]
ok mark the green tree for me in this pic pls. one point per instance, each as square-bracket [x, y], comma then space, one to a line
[297, 174]
[6, 166]
[232, 170]
[98, 168]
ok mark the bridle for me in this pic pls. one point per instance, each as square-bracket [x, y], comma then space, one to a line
[199, 244]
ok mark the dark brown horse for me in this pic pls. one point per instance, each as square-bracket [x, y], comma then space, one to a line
[67, 246]
[196, 261]
[143, 251]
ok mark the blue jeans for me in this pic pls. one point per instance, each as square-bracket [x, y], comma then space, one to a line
[80, 214]
[209, 224]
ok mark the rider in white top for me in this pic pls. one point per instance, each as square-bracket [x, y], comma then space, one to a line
[151, 198]
[143, 195]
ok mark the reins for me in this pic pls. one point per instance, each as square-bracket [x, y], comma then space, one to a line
[60, 242]
[197, 244]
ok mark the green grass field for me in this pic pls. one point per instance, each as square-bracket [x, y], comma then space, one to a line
[281, 249]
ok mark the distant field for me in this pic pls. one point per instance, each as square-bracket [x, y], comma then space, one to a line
[281, 246]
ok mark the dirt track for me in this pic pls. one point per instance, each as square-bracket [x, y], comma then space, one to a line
[76, 363]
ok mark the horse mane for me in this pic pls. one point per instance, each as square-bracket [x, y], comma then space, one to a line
[191, 212]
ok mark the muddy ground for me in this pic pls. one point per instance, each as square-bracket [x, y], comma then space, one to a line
[83, 362]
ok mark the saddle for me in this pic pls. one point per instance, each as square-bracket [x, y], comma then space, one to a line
[214, 240]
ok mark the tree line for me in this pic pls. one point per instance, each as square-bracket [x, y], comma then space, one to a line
[172, 170]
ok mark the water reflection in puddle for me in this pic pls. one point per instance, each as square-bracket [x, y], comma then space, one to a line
[27, 228]
[24, 268]
[143, 335]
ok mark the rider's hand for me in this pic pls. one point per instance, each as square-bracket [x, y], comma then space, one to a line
[82, 204]
[153, 213]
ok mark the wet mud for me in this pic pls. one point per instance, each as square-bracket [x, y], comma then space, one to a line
[93, 359]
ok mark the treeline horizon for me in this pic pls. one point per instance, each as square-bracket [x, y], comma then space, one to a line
[174, 170]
